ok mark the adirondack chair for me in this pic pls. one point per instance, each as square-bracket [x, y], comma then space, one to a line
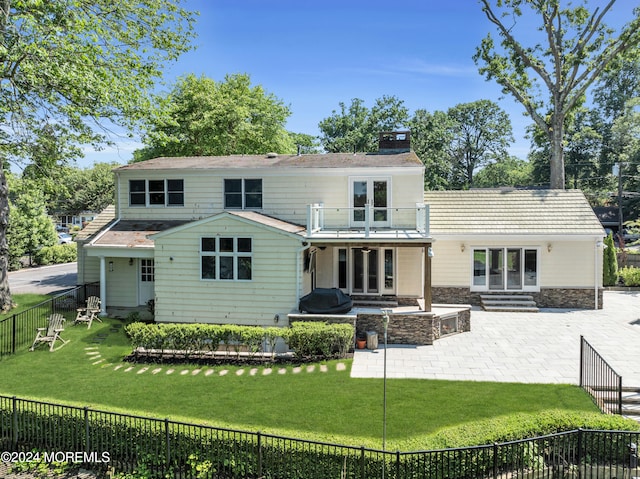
[51, 333]
[90, 312]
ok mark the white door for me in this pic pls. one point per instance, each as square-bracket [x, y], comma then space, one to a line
[370, 194]
[146, 280]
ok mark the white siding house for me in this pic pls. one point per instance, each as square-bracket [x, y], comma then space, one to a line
[239, 239]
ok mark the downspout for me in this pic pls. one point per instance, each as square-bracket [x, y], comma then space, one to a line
[598, 245]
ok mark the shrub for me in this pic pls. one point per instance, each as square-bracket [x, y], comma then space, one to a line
[56, 254]
[310, 339]
[630, 276]
[610, 260]
[306, 339]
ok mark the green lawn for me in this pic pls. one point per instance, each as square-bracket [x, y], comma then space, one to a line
[324, 404]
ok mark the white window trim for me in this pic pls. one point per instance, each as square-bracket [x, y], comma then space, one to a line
[525, 288]
[389, 220]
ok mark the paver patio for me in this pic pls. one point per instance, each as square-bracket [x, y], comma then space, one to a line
[539, 347]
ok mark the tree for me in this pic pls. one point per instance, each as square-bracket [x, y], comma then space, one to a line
[431, 136]
[203, 117]
[307, 144]
[68, 66]
[30, 226]
[507, 171]
[89, 189]
[356, 128]
[574, 50]
[610, 263]
[481, 133]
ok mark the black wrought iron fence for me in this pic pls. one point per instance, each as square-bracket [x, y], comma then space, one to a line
[101, 440]
[18, 330]
[599, 379]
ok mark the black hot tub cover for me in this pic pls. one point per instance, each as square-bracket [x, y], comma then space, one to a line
[325, 301]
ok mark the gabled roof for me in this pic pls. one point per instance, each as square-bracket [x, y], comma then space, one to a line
[511, 212]
[105, 217]
[328, 160]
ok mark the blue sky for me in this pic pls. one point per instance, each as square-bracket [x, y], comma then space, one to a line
[314, 54]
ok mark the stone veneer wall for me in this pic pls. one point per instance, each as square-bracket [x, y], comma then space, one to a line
[415, 329]
[571, 298]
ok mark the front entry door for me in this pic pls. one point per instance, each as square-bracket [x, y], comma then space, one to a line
[146, 280]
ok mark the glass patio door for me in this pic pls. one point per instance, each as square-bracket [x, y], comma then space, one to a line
[365, 271]
[372, 193]
[496, 269]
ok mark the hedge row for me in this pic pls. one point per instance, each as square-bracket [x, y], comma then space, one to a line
[306, 339]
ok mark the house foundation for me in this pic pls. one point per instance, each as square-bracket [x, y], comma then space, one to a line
[565, 298]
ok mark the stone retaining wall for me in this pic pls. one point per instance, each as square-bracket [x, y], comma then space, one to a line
[404, 328]
[570, 298]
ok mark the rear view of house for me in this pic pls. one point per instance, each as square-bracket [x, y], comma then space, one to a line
[239, 239]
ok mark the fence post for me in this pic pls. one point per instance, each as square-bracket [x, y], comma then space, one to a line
[620, 395]
[581, 361]
[13, 334]
[579, 455]
[398, 463]
[87, 444]
[362, 463]
[166, 434]
[495, 460]
[14, 405]
[259, 454]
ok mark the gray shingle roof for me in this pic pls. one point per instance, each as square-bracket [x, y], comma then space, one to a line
[328, 160]
[515, 212]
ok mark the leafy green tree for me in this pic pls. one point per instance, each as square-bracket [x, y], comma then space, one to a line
[203, 117]
[431, 137]
[506, 171]
[481, 133]
[66, 66]
[610, 263]
[357, 128]
[30, 226]
[306, 143]
[88, 189]
[570, 54]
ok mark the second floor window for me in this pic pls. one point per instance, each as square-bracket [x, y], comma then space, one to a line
[156, 192]
[243, 194]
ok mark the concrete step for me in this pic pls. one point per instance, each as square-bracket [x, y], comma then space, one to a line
[375, 304]
[506, 296]
[511, 309]
[515, 303]
[503, 302]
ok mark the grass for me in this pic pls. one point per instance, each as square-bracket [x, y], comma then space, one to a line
[325, 404]
[25, 301]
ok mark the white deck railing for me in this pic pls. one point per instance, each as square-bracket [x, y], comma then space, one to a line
[365, 219]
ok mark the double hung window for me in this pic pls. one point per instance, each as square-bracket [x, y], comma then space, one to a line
[243, 194]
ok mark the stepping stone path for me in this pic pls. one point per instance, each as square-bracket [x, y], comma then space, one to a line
[94, 355]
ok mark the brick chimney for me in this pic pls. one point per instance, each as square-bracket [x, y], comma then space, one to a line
[394, 142]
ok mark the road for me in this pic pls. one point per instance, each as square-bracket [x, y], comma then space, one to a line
[44, 280]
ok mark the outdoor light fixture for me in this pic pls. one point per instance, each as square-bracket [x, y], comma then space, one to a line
[549, 247]
[430, 253]
[276, 318]
[462, 247]
[110, 265]
[130, 261]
